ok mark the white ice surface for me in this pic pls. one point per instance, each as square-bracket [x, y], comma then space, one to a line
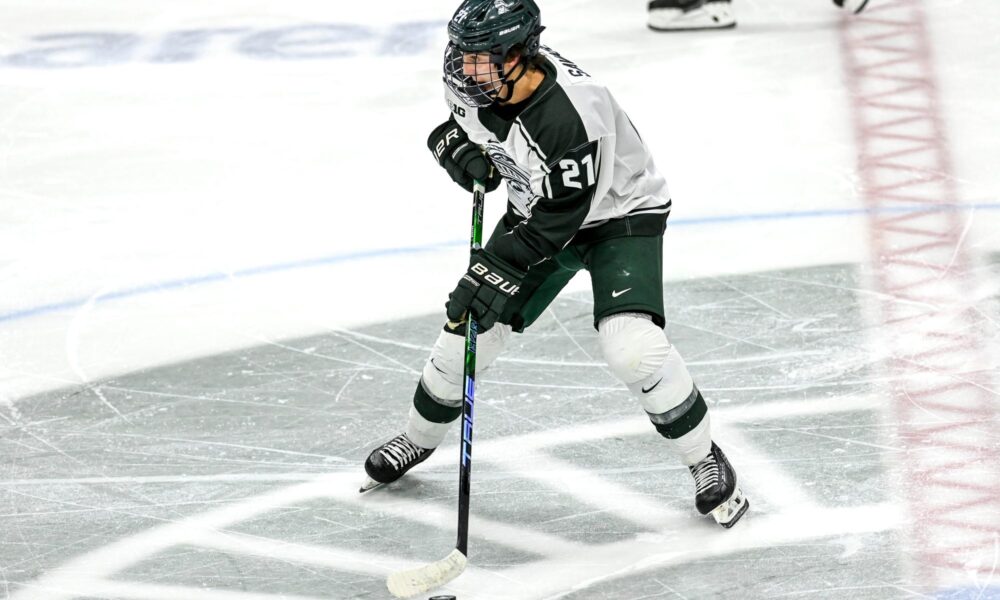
[232, 199]
[127, 175]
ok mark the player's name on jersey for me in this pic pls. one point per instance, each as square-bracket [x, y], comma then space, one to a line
[309, 41]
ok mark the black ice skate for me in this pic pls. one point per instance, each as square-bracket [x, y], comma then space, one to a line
[391, 460]
[717, 491]
[691, 15]
[855, 6]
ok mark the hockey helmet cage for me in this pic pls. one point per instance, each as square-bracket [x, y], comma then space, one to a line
[490, 27]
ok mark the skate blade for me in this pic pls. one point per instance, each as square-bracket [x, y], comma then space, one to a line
[710, 16]
[730, 511]
[369, 484]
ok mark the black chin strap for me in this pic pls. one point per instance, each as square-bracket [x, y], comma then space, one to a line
[506, 91]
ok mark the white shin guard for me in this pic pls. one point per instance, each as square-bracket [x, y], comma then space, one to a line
[640, 355]
[442, 378]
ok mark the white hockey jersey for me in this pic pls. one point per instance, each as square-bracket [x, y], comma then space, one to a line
[575, 167]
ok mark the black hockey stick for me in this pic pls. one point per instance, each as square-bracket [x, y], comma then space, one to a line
[404, 584]
[469, 389]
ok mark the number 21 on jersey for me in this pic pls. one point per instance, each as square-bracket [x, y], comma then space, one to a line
[575, 171]
[571, 171]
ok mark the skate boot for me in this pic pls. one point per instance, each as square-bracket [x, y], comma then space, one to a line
[717, 491]
[855, 6]
[691, 15]
[391, 460]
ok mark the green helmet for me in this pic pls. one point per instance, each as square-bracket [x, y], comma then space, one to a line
[496, 26]
[493, 27]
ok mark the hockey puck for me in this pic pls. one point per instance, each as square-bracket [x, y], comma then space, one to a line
[441, 598]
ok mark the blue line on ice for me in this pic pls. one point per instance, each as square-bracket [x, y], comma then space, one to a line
[322, 261]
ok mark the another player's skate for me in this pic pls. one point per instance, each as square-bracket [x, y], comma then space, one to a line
[391, 460]
[717, 491]
[691, 15]
[855, 6]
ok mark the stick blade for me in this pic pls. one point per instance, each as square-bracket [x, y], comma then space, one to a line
[404, 584]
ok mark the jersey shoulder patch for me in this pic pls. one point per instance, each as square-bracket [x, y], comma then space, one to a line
[469, 118]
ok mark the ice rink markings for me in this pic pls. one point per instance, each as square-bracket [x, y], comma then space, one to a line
[678, 540]
[593, 363]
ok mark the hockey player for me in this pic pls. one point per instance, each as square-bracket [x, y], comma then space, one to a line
[583, 193]
[692, 15]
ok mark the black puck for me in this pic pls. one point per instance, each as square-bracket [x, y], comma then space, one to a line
[441, 598]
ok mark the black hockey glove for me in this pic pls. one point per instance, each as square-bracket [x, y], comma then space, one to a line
[463, 160]
[484, 289]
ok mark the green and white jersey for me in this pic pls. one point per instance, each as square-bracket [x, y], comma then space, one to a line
[575, 166]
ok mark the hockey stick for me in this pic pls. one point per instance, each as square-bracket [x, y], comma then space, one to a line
[404, 584]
